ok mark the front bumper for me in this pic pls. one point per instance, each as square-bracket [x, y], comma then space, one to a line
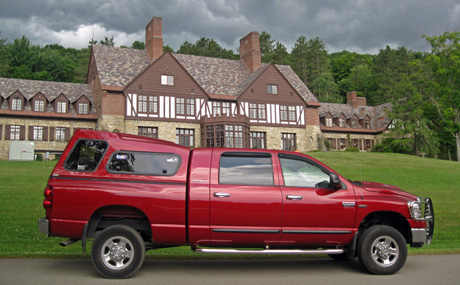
[44, 226]
[424, 236]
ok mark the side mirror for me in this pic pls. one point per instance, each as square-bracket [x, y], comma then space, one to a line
[334, 181]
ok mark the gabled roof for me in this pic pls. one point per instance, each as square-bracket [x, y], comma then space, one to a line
[220, 78]
[51, 90]
[118, 66]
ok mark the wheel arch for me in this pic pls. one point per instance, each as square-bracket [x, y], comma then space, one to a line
[392, 219]
[117, 214]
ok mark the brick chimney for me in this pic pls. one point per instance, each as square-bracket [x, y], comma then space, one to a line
[154, 39]
[355, 101]
[250, 52]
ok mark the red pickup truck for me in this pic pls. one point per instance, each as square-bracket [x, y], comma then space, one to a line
[131, 194]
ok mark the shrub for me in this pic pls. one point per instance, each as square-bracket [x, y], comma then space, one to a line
[352, 149]
[39, 157]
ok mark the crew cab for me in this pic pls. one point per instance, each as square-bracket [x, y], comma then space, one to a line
[130, 194]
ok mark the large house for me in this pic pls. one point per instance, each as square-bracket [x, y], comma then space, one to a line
[192, 100]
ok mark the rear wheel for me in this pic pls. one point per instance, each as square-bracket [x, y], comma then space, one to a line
[118, 252]
[382, 250]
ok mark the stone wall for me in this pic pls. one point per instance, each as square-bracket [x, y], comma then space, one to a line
[306, 139]
[349, 140]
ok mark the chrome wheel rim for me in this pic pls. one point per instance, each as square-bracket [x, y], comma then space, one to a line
[385, 251]
[117, 253]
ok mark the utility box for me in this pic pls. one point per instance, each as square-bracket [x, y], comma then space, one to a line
[22, 150]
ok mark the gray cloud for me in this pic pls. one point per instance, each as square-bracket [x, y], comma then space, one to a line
[355, 25]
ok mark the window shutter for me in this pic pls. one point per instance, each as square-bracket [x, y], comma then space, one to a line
[31, 133]
[67, 134]
[52, 134]
[1, 131]
[22, 135]
[7, 132]
[45, 133]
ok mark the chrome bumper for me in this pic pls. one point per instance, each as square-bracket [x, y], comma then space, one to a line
[44, 226]
[424, 236]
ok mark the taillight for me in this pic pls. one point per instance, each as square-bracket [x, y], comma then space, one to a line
[48, 201]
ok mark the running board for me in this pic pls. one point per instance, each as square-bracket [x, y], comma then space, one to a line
[269, 251]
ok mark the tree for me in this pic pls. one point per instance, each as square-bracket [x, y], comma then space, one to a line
[300, 58]
[360, 80]
[280, 54]
[266, 46]
[4, 62]
[107, 42]
[206, 47]
[411, 130]
[442, 78]
[310, 59]
[138, 45]
[326, 89]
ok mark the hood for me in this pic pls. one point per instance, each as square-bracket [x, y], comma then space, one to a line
[386, 189]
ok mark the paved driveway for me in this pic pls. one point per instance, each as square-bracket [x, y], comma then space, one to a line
[423, 269]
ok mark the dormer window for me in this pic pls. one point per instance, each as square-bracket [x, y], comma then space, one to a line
[167, 80]
[367, 124]
[354, 124]
[341, 122]
[272, 89]
[61, 107]
[16, 104]
[328, 122]
[39, 106]
[83, 108]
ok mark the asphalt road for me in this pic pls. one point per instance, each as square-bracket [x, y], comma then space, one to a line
[422, 269]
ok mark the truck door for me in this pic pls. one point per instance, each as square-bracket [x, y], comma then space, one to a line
[245, 199]
[314, 213]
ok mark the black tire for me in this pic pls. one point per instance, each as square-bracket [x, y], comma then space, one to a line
[341, 257]
[382, 250]
[118, 252]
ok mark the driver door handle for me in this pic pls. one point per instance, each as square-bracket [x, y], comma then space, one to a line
[221, 195]
[294, 197]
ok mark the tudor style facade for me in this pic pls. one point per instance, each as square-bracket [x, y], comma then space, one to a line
[192, 100]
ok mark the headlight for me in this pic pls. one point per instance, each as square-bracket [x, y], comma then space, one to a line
[415, 209]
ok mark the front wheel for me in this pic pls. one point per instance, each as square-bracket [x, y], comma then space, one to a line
[118, 252]
[382, 250]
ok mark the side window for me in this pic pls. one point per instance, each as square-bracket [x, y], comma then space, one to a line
[246, 169]
[86, 155]
[144, 163]
[301, 173]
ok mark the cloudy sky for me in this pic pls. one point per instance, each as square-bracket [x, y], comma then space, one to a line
[364, 26]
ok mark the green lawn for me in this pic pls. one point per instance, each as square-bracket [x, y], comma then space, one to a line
[22, 184]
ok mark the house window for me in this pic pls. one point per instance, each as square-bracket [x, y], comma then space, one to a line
[272, 89]
[167, 80]
[343, 144]
[59, 134]
[83, 108]
[216, 108]
[367, 124]
[288, 141]
[341, 123]
[226, 135]
[16, 104]
[180, 106]
[253, 111]
[368, 144]
[261, 111]
[61, 107]
[38, 134]
[148, 132]
[153, 104]
[292, 114]
[185, 137]
[226, 108]
[328, 122]
[142, 104]
[190, 107]
[257, 140]
[39, 106]
[355, 143]
[354, 124]
[283, 113]
[15, 132]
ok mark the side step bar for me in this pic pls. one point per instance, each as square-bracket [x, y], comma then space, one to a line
[268, 251]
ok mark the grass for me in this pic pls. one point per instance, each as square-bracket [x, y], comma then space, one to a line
[22, 184]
